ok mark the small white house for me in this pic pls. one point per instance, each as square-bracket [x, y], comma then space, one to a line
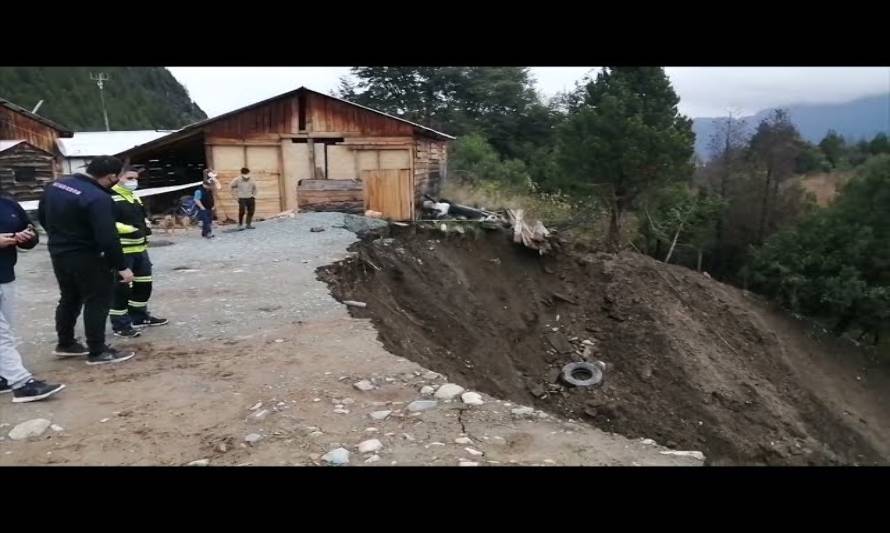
[80, 149]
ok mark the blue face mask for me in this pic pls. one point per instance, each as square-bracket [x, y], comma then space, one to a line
[130, 185]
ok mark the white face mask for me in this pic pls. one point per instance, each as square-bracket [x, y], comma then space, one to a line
[130, 185]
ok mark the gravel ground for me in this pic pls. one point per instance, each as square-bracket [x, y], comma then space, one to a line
[246, 270]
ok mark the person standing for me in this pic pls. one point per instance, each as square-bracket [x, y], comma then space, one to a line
[205, 201]
[15, 231]
[244, 191]
[129, 309]
[77, 213]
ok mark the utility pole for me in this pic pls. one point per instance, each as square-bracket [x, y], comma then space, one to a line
[100, 82]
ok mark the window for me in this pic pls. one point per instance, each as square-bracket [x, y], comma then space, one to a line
[25, 175]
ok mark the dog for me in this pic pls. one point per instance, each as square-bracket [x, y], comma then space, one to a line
[170, 222]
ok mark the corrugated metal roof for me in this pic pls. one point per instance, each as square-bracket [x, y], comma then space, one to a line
[195, 126]
[63, 131]
[95, 143]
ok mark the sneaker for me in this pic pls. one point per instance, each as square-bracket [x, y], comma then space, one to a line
[35, 390]
[74, 350]
[4, 386]
[109, 355]
[250, 227]
[151, 321]
[241, 228]
[129, 333]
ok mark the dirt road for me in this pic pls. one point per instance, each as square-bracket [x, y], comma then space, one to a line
[258, 348]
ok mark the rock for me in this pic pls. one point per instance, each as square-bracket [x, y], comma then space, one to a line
[432, 376]
[448, 391]
[256, 406]
[537, 390]
[550, 461]
[523, 412]
[340, 456]
[473, 451]
[369, 446]
[649, 442]
[695, 455]
[463, 462]
[463, 440]
[353, 303]
[316, 229]
[371, 430]
[380, 415]
[222, 447]
[341, 411]
[31, 428]
[56, 427]
[199, 462]
[372, 459]
[259, 415]
[104, 420]
[426, 390]
[364, 385]
[316, 434]
[559, 342]
[471, 398]
[588, 342]
[252, 438]
[347, 401]
[422, 405]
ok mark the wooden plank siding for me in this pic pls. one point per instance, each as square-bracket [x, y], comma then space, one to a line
[16, 126]
[332, 116]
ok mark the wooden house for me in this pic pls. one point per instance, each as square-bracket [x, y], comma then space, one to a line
[29, 155]
[307, 151]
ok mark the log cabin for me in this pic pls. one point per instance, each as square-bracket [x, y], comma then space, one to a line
[307, 151]
[29, 155]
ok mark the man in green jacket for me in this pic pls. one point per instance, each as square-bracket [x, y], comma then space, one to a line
[129, 309]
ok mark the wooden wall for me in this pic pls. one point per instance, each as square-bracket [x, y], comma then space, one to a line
[16, 126]
[265, 169]
[18, 158]
[430, 161]
[266, 121]
[332, 116]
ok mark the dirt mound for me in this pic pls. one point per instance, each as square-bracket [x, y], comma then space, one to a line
[690, 362]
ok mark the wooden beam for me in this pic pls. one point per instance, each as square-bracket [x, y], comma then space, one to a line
[310, 145]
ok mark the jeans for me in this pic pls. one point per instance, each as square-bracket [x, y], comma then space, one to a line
[85, 281]
[11, 367]
[206, 218]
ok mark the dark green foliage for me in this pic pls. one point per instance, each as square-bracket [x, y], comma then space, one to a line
[625, 137]
[836, 263]
[136, 97]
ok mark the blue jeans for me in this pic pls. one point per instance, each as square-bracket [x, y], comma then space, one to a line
[206, 218]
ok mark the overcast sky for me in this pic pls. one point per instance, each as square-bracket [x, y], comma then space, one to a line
[704, 91]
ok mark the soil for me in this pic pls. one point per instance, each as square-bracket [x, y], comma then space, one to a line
[689, 362]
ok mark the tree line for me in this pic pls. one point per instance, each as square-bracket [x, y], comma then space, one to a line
[617, 147]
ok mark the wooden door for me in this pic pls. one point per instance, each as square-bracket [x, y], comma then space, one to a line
[389, 192]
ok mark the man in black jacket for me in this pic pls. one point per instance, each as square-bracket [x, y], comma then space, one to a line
[77, 213]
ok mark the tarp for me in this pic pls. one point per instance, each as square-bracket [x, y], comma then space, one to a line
[31, 205]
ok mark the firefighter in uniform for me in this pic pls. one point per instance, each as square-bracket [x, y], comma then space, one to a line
[129, 310]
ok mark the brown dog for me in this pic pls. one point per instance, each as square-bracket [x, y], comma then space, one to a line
[171, 222]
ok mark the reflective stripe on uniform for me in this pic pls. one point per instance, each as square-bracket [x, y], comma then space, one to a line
[134, 249]
[117, 312]
[138, 304]
[142, 279]
[125, 242]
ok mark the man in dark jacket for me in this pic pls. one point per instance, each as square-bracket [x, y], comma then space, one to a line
[15, 231]
[129, 309]
[77, 213]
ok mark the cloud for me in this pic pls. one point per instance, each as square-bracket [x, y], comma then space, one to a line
[704, 91]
